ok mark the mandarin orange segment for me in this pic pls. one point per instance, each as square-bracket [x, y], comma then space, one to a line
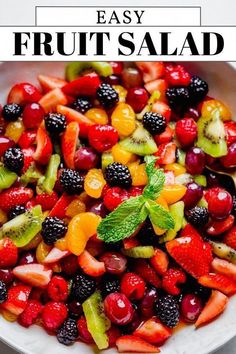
[8, 316]
[122, 92]
[121, 155]
[138, 173]
[97, 115]
[42, 251]
[75, 207]
[173, 193]
[209, 106]
[61, 244]
[123, 119]
[94, 183]
[176, 168]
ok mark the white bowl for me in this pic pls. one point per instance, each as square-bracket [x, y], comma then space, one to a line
[222, 81]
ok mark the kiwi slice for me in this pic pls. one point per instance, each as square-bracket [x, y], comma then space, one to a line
[223, 251]
[75, 69]
[31, 175]
[46, 183]
[211, 135]
[107, 158]
[7, 178]
[96, 321]
[139, 252]
[24, 227]
[140, 142]
[200, 179]
[177, 212]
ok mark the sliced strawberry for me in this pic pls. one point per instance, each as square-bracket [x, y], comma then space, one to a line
[91, 265]
[27, 139]
[160, 261]
[151, 70]
[134, 344]
[153, 331]
[189, 230]
[130, 242]
[55, 255]
[217, 228]
[214, 307]
[191, 254]
[166, 153]
[83, 86]
[47, 201]
[230, 238]
[33, 274]
[28, 158]
[51, 99]
[59, 208]
[224, 267]
[69, 141]
[44, 147]
[142, 268]
[14, 196]
[17, 299]
[23, 93]
[159, 85]
[219, 282]
[49, 83]
[164, 137]
[73, 116]
[230, 131]
[171, 279]
[163, 109]
[8, 253]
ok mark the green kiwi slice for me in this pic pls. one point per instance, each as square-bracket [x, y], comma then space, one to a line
[7, 178]
[46, 183]
[223, 251]
[24, 227]
[75, 69]
[211, 135]
[139, 252]
[140, 142]
[177, 212]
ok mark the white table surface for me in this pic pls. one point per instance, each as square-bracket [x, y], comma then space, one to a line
[229, 348]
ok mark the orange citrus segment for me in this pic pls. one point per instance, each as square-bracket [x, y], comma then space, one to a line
[173, 193]
[94, 183]
[123, 119]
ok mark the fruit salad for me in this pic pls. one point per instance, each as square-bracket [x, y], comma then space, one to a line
[117, 204]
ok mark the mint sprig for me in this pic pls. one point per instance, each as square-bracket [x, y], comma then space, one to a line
[128, 216]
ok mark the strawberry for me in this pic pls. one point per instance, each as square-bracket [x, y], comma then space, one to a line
[55, 255]
[90, 265]
[230, 131]
[27, 139]
[214, 307]
[191, 254]
[58, 289]
[164, 137]
[171, 279]
[49, 83]
[44, 147]
[33, 274]
[69, 141]
[23, 93]
[51, 99]
[130, 242]
[133, 286]
[8, 253]
[186, 131]
[160, 261]
[217, 228]
[59, 208]
[134, 344]
[224, 267]
[73, 116]
[151, 70]
[14, 196]
[47, 201]
[53, 315]
[189, 230]
[230, 238]
[84, 333]
[166, 153]
[142, 268]
[28, 158]
[31, 313]
[83, 86]
[17, 299]
[163, 109]
[219, 282]
[159, 85]
[153, 331]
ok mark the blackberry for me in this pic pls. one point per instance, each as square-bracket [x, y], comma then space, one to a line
[13, 159]
[155, 123]
[83, 286]
[198, 216]
[15, 211]
[11, 112]
[53, 229]
[107, 96]
[110, 284]
[167, 310]
[55, 123]
[82, 104]
[234, 205]
[71, 181]
[3, 292]
[198, 89]
[147, 236]
[118, 175]
[178, 97]
[68, 332]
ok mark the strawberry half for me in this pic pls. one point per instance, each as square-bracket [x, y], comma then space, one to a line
[47, 201]
[214, 307]
[134, 344]
[51, 99]
[33, 274]
[23, 93]
[160, 261]
[59, 208]
[17, 299]
[49, 83]
[8, 253]
[151, 70]
[83, 86]
[44, 147]
[153, 331]
[166, 153]
[224, 267]
[230, 238]
[219, 282]
[69, 141]
[15, 196]
[142, 268]
[91, 265]
[55, 255]
[28, 158]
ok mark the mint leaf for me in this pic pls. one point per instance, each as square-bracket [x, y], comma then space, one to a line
[156, 179]
[123, 221]
[159, 216]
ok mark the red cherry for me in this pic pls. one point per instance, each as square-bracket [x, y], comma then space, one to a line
[195, 161]
[102, 137]
[191, 307]
[147, 304]
[33, 115]
[85, 158]
[220, 203]
[137, 98]
[115, 262]
[5, 143]
[117, 67]
[118, 308]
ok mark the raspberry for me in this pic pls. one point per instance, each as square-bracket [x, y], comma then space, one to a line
[171, 278]
[83, 286]
[31, 313]
[110, 284]
[155, 123]
[53, 229]
[114, 197]
[186, 131]
[198, 216]
[55, 123]
[57, 289]
[13, 159]
[11, 112]
[167, 311]
[107, 96]
[53, 315]
[68, 333]
[133, 286]
[84, 334]
[102, 137]
[3, 292]
[198, 89]
[177, 76]
[8, 253]
[119, 175]
[15, 211]
[71, 181]
[82, 104]
[47, 201]
[146, 272]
